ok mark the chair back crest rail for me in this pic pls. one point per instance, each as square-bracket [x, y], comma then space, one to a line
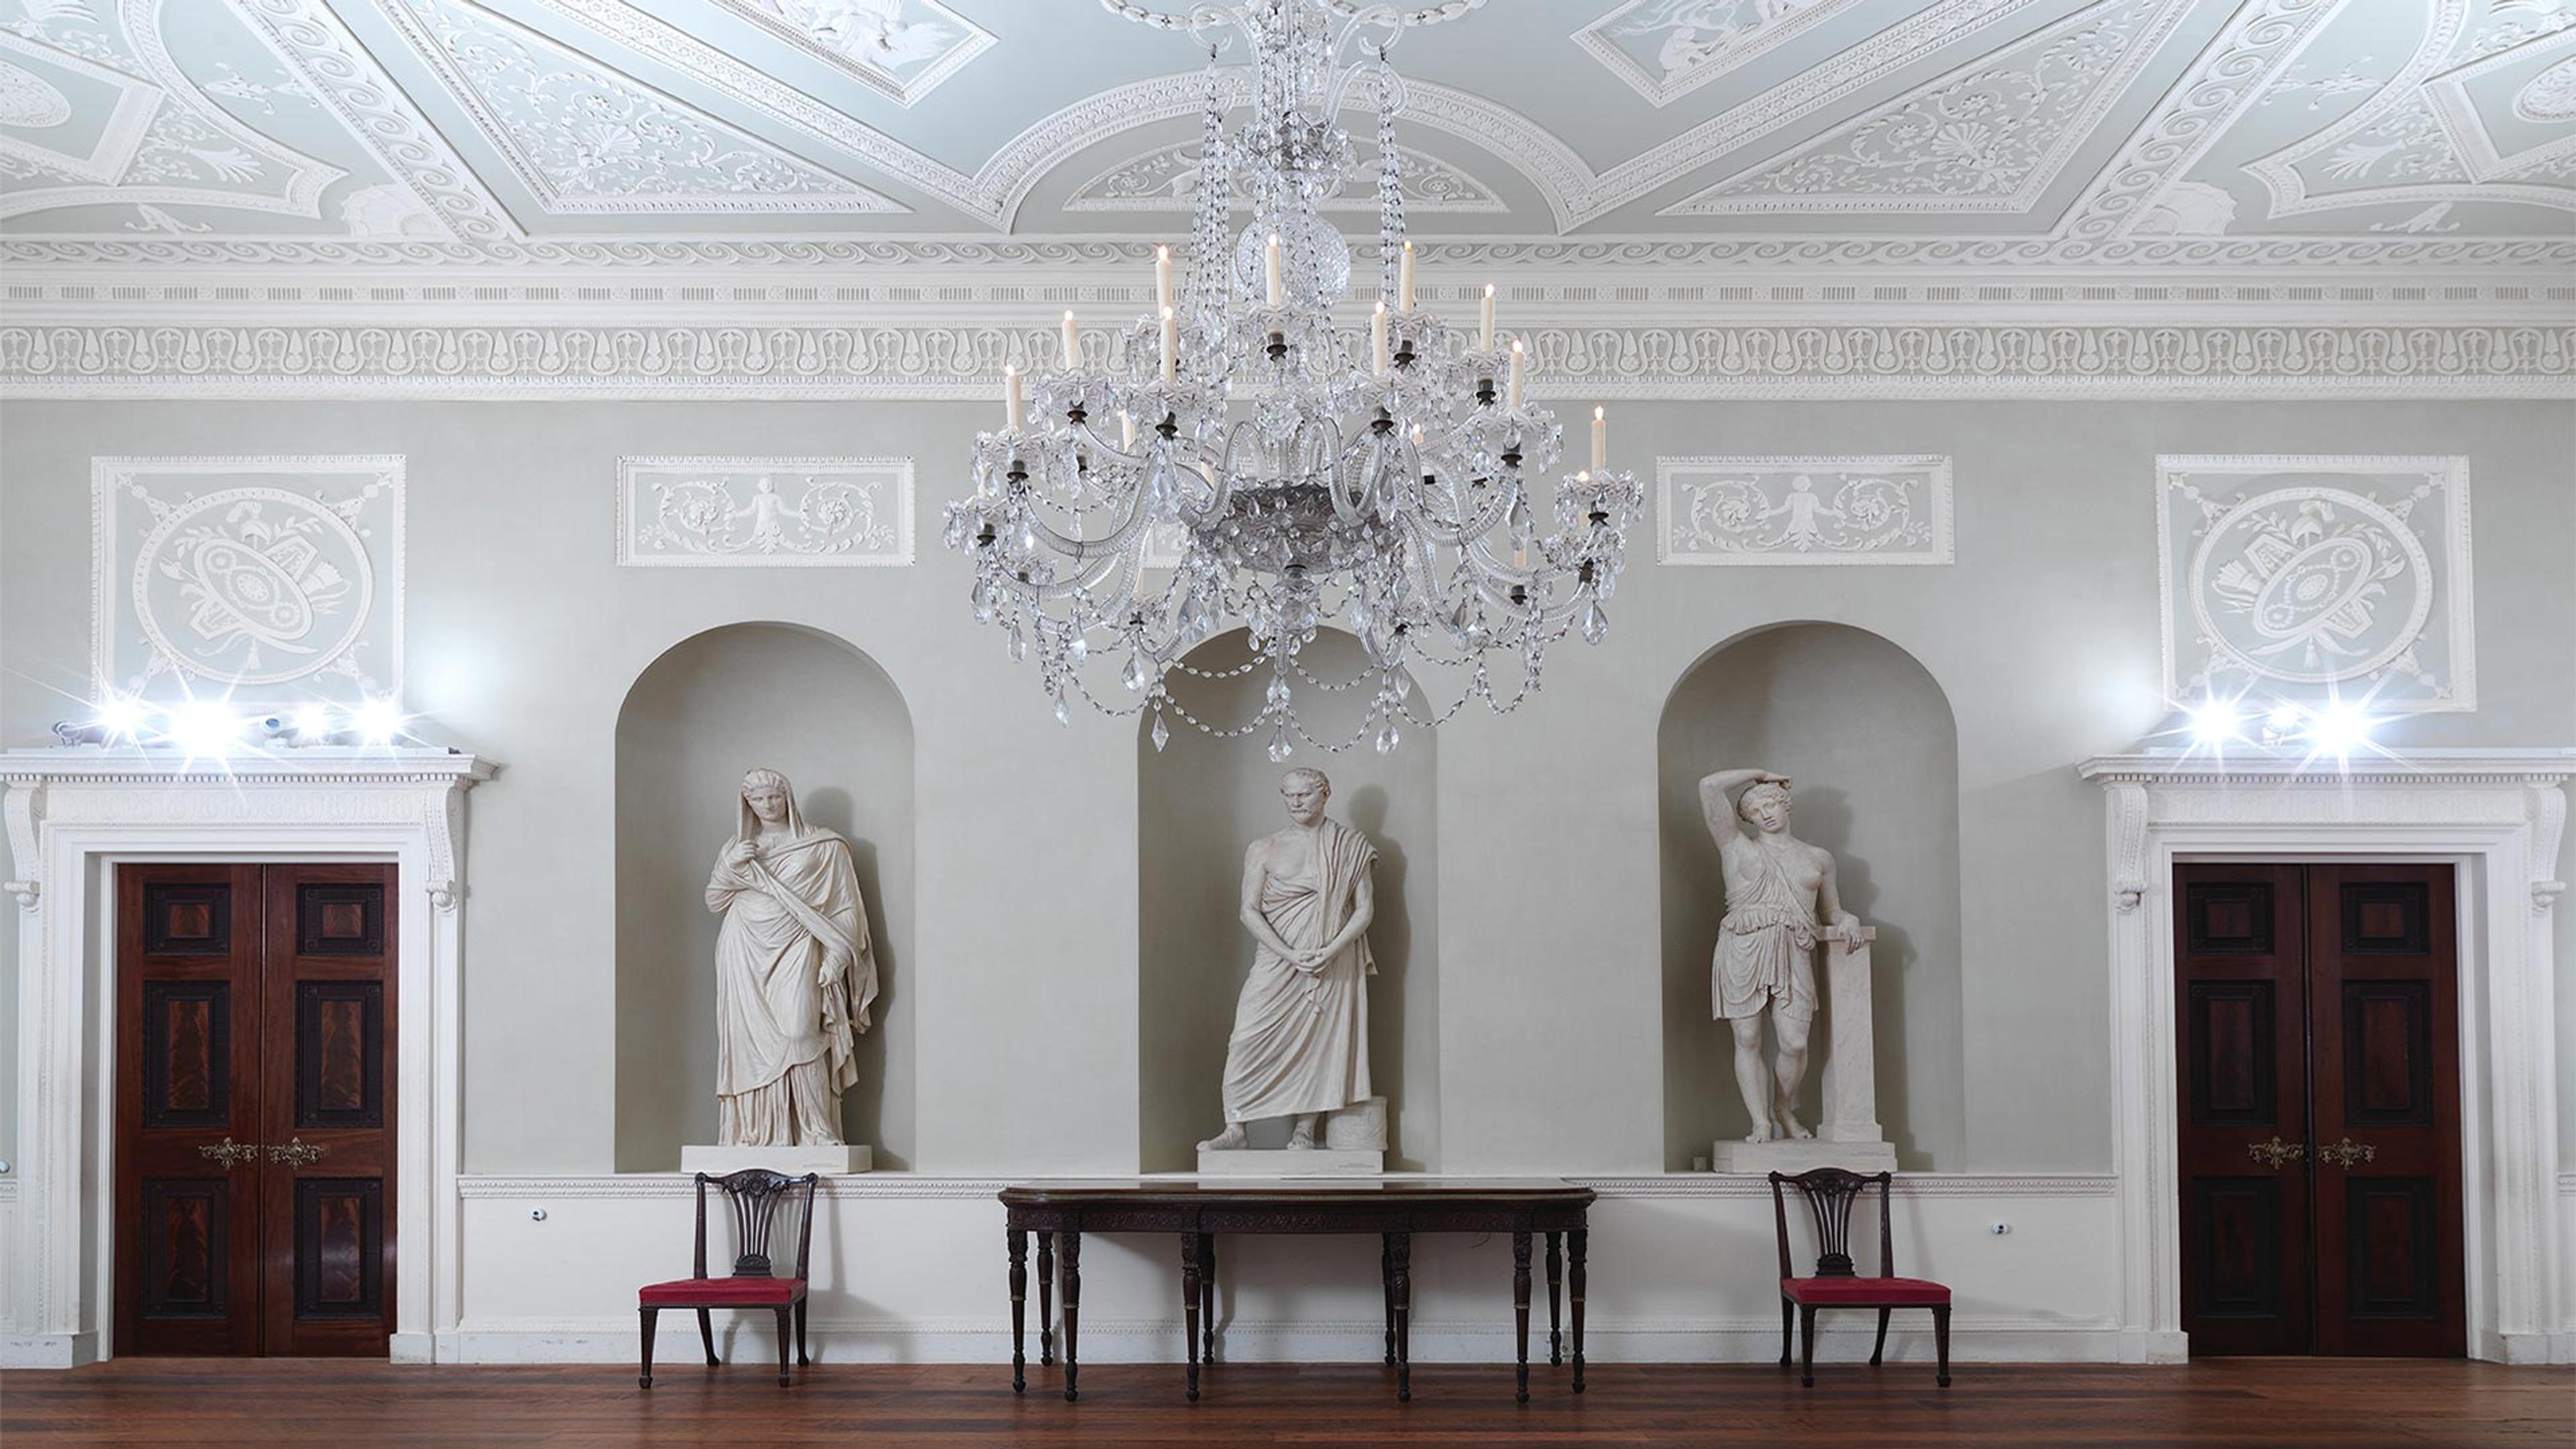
[1830, 1193]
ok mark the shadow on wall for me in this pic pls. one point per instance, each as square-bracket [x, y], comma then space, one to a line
[1867, 737]
[814, 708]
[1200, 803]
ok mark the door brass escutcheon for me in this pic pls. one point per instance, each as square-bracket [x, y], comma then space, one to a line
[2348, 1153]
[2271, 1154]
[295, 1153]
[230, 1153]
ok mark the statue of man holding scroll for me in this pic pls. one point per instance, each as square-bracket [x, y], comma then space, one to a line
[1300, 1043]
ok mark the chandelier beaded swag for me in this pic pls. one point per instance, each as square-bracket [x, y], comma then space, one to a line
[1380, 481]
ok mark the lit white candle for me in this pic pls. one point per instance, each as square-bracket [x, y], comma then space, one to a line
[1377, 340]
[1404, 280]
[1162, 279]
[1520, 360]
[1072, 348]
[1126, 430]
[1171, 345]
[1486, 342]
[1600, 440]
[1011, 398]
[1277, 277]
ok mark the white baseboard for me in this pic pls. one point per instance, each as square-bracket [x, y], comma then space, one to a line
[745, 1342]
[48, 1350]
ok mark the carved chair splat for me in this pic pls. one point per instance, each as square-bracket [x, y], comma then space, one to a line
[753, 1196]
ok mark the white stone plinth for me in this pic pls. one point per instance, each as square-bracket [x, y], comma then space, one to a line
[1794, 1156]
[1359, 1127]
[794, 1161]
[1292, 1162]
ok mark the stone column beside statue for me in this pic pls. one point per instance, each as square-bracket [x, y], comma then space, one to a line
[1782, 903]
[795, 974]
[1299, 1049]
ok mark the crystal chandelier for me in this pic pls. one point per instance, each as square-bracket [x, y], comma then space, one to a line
[1289, 473]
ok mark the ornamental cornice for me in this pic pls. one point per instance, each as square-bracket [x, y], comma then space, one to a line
[1616, 360]
[2432, 768]
[319, 766]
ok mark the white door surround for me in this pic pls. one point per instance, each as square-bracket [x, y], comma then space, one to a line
[2497, 815]
[72, 815]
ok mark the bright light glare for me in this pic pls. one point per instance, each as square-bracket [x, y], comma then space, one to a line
[121, 716]
[378, 721]
[312, 722]
[2283, 718]
[2214, 723]
[205, 727]
[2337, 728]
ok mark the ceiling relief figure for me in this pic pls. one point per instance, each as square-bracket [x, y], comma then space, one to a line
[901, 48]
[1665, 49]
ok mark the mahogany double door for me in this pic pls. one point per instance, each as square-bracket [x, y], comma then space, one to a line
[254, 1109]
[2320, 1080]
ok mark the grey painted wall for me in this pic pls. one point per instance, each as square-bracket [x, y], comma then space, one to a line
[731, 699]
[1867, 740]
[525, 638]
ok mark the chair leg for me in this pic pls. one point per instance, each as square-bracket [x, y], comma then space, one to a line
[801, 1360]
[1941, 1341]
[1788, 1312]
[644, 1376]
[1807, 1344]
[1879, 1347]
[707, 1335]
[784, 1329]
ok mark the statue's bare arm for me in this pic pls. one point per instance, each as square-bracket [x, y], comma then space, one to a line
[1256, 869]
[1717, 800]
[1836, 920]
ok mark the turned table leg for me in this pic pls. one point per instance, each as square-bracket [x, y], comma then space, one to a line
[1403, 1317]
[1576, 1240]
[1190, 1308]
[1520, 1314]
[1046, 1297]
[1555, 1292]
[1207, 1297]
[1386, 1286]
[1018, 1238]
[1072, 1305]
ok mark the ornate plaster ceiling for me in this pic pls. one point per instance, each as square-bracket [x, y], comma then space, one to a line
[478, 130]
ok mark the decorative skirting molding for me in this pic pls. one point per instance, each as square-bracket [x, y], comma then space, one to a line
[647, 1185]
[1914, 360]
[1907, 1184]
[650, 1185]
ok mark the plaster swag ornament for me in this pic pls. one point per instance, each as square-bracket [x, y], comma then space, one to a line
[1300, 1042]
[795, 975]
[1781, 903]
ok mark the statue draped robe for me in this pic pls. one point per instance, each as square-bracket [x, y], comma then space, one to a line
[1766, 943]
[1300, 1041]
[785, 1035]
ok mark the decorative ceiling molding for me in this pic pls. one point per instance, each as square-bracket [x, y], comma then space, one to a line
[2401, 128]
[1165, 180]
[2475, 140]
[1685, 59]
[1989, 136]
[2230, 75]
[901, 49]
[38, 104]
[961, 360]
[585, 139]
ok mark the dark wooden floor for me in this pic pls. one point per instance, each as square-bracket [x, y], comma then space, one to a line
[281, 1404]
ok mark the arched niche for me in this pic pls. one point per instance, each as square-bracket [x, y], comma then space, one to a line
[1867, 736]
[1200, 802]
[819, 711]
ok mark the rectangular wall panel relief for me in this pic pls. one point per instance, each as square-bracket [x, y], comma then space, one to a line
[270, 580]
[764, 512]
[2309, 579]
[1787, 510]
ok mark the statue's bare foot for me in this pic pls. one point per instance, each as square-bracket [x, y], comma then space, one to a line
[1302, 1136]
[1232, 1139]
[1791, 1129]
[1761, 1133]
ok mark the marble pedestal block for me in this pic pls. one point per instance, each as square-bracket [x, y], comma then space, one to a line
[1361, 1126]
[1293, 1162]
[1850, 1135]
[795, 1161]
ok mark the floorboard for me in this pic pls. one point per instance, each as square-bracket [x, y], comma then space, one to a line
[287, 1404]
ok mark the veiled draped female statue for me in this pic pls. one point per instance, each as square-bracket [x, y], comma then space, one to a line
[794, 973]
[1300, 1043]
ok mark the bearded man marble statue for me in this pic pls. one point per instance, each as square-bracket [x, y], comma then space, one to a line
[795, 974]
[1300, 1042]
[1780, 901]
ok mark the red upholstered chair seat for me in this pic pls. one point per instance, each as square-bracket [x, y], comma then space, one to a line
[722, 1292]
[1865, 1292]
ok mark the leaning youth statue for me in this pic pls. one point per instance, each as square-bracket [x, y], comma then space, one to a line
[794, 973]
[1780, 900]
[1300, 1043]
